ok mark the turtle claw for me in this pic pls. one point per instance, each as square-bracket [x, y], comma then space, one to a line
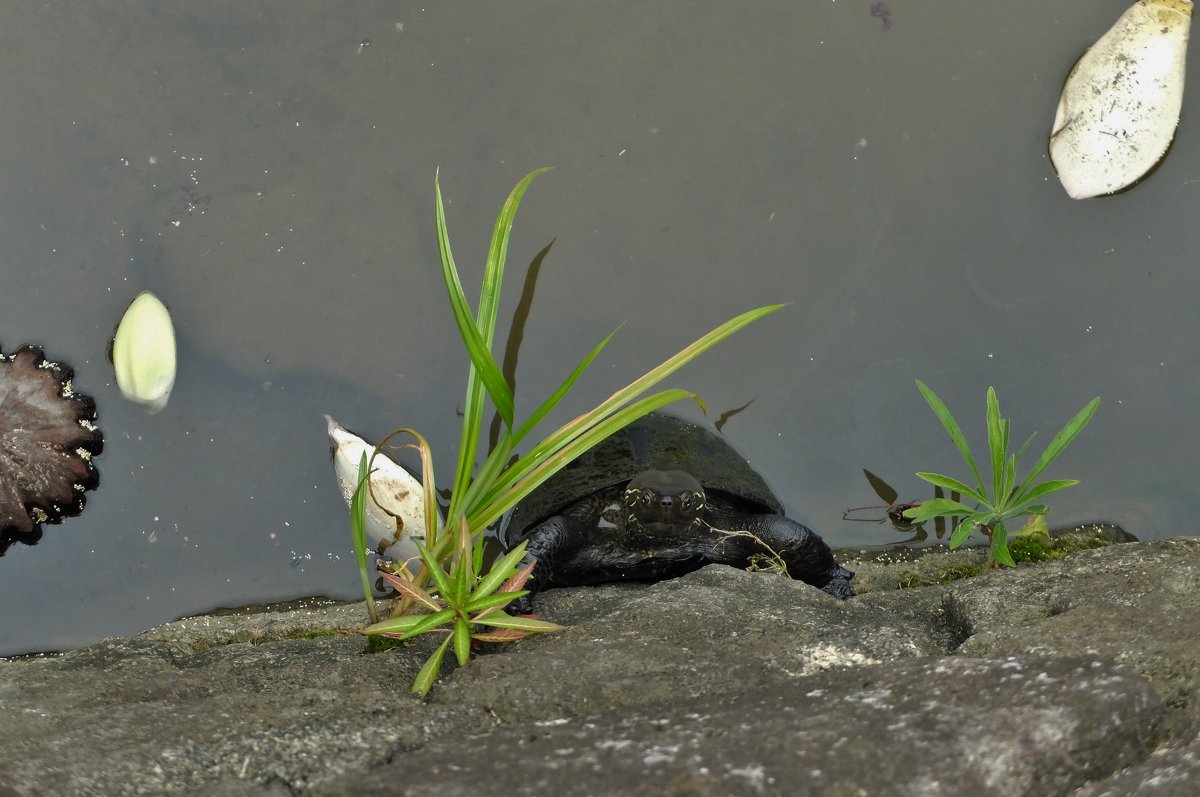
[839, 586]
[520, 606]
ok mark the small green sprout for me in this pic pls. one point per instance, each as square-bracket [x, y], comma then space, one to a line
[1007, 499]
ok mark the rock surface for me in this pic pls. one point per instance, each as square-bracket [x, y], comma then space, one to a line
[1077, 676]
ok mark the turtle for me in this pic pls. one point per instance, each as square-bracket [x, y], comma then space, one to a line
[658, 499]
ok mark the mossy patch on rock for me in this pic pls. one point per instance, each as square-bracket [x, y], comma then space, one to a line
[910, 568]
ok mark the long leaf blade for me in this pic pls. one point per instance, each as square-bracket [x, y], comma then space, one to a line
[937, 507]
[429, 672]
[555, 397]
[963, 530]
[501, 571]
[1047, 487]
[1058, 444]
[493, 601]
[501, 620]
[358, 534]
[462, 641]
[433, 565]
[553, 443]
[996, 445]
[1000, 545]
[410, 625]
[952, 429]
[954, 485]
[484, 371]
[553, 462]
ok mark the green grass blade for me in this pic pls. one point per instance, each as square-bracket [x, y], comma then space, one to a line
[1058, 444]
[1000, 545]
[964, 529]
[358, 533]
[495, 599]
[461, 576]
[462, 641]
[493, 466]
[937, 507]
[1010, 480]
[1024, 446]
[501, 620]
[432, 564]
[551, 402]
[429, 672]
[479, 333]
[577, 443]
[484, 372]
[995, 438]
[563, 435]
[395, 625]
[685, 356]
[952, 429]
[410, 590]
[410, 625]
[501, 571]
[1044, 489]
[954, 485]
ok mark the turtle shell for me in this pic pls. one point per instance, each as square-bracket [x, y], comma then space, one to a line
[658, 441]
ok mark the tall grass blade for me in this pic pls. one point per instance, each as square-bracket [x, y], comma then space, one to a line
[954, 485]
[1044, 489]
[501, 571]
[491, 470]
[483, 373]
[580, 440]
[358, 533]
[429, 672]
[1000, 545]
[560, 437]
[462, 641]
[551, 402]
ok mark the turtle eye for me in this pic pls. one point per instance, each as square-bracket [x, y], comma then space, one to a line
[685, 501]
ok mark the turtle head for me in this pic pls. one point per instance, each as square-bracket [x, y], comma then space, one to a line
[664, 503]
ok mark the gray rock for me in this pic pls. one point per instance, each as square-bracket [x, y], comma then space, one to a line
[772, 627]
[1076, 676]
[948, 726]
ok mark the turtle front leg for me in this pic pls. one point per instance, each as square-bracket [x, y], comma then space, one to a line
[804, 554]
[551, 543]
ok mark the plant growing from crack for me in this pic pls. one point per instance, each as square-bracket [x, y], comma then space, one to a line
[449, 593]
[1006, 499]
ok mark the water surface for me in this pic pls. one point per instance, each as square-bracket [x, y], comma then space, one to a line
[267, 169]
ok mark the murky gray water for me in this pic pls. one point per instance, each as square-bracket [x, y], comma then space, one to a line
[892, 184]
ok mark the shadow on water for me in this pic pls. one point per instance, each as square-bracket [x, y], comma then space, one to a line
[516, 334]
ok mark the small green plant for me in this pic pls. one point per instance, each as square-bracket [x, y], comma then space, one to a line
[449, 593]
[1007, 499]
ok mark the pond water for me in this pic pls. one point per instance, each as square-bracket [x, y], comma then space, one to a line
[267, 170]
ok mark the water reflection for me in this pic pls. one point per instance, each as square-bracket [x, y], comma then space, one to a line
[892, 510]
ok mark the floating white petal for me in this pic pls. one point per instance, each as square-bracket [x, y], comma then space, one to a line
[1120, 104]
[399, 516]
[143, 352]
